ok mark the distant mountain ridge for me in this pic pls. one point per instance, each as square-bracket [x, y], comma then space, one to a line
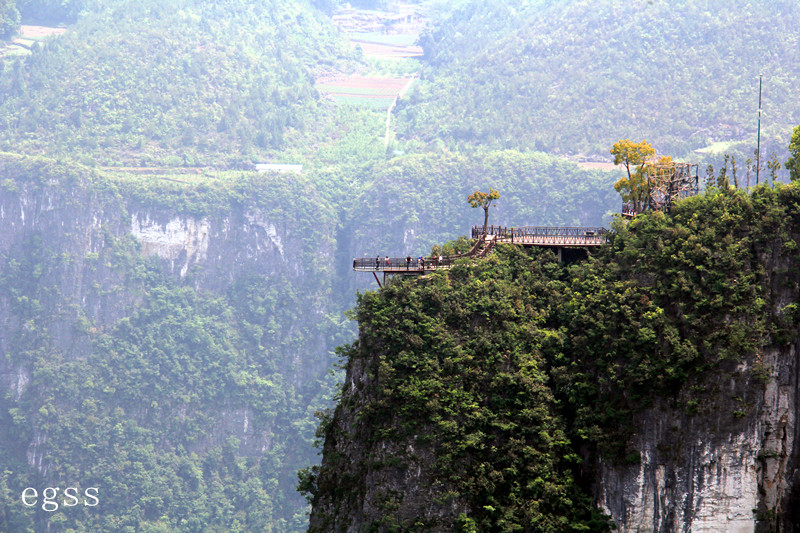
[171, 82]
[574, 76]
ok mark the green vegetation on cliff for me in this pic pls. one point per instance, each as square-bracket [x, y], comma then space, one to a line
[497, 381]
[181, 398]
[455, 369]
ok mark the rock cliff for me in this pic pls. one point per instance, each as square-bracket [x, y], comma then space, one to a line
[156, 327]
[708, 473]
[671, 366]
[73, 214]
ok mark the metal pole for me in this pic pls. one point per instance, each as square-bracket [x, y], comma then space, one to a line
[758, 145]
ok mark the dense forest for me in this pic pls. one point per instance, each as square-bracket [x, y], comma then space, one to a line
[186, 383]
[200, 83]
[488, 388]
[573, 77]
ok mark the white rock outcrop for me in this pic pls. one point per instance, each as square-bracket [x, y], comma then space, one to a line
[182, 241]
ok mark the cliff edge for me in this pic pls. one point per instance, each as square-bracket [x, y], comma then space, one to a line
[652, 387]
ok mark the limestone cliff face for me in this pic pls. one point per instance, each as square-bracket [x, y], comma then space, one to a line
[219, 248]
[702, 475]
[716, 451]
[74, 219]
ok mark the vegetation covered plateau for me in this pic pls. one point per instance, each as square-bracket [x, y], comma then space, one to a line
[490, 388]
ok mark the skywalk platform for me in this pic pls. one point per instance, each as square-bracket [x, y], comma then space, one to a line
[555, 237]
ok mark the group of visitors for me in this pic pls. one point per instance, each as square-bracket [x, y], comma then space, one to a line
[420, 262]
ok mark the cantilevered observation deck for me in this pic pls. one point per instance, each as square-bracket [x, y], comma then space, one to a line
[554, 237]
[547, 236]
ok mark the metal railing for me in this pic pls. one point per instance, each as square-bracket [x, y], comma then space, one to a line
[531, 235]
[404, 264]
[545, 235]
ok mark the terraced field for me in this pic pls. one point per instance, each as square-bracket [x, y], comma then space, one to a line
[373, 92]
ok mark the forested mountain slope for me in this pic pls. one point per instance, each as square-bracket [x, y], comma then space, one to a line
[164, 343]
[658, 378]
[574, 76]
[167, 338]
[177, 82]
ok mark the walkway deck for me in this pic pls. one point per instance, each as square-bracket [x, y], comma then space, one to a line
[399, 265]
[548, 236]
[545, 236]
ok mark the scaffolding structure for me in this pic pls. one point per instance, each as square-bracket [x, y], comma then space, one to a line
[666, 183]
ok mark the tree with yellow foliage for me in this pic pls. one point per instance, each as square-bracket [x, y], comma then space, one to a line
[634, 188]
[484, 200]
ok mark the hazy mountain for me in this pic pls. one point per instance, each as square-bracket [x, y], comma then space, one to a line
[574, 76]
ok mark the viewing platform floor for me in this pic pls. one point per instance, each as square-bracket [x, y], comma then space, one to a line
[544, 236]
[547, 236]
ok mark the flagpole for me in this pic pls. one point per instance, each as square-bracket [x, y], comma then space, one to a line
[758, 145]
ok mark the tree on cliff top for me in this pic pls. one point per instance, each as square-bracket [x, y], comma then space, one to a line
[9, 18]
[635, 157]
[484, 200]
[793, 164]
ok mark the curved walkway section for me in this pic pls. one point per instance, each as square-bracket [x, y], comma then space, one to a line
[547, 236]
[398, 265]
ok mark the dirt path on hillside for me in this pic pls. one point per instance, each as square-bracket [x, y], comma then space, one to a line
[403, 91]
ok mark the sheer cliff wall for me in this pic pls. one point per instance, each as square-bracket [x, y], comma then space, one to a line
[670, 361]
[157, 320]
